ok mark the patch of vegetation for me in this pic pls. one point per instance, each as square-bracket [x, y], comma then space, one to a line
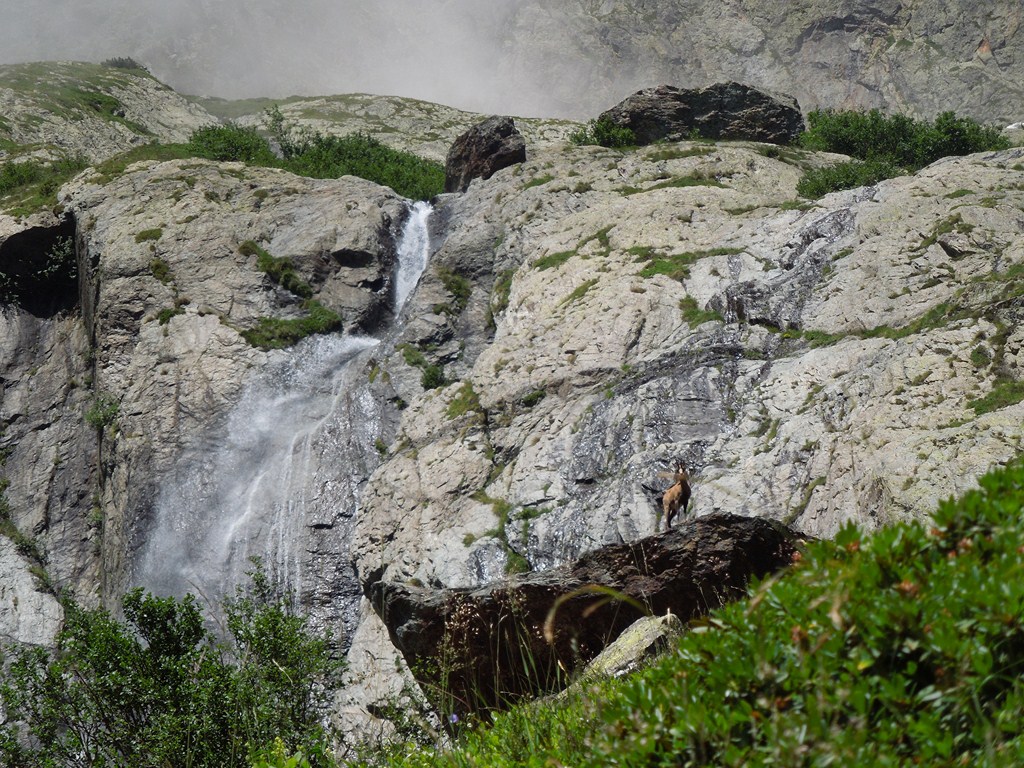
[695, 315]
[605, 133]
[693, 180]
[165, 315]
[161, 270]
[432, 376]
[158, 688]
[458, 287]
[900, 648]
[1004, 393]
[884, 146]
[280, 270]
[231, 143]
[357, 154]
[147, 235]
[28, 186]
[676, 265]
[817, 182]
[465, 401]
[103, 411]
[678, 153]
[532, 398]
[26, 546]
[501, 291]
[278, 333]
[553, 260]
[538, 181]
[579, 292]
[125, 62]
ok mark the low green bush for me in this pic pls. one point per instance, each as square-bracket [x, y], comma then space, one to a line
[231, 143]
[856, 173]
[359, 154]
[605, 133]
[887, 145]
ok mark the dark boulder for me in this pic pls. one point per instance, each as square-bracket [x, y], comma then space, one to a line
[473, 650]
[721, 111]
[482, 151]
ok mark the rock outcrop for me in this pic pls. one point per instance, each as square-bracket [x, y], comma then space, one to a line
[482, 151]
[89, 110]
[730, 111]
[487, 647]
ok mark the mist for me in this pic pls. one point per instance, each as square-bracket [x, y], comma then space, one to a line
[447, 51]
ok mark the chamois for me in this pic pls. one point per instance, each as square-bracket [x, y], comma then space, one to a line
[678, 495]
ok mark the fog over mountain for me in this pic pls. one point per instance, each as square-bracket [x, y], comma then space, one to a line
[552, 58]
[439, 50]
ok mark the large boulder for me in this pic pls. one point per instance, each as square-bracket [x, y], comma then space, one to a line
[720, 111]
[482, 151]
[487, 647]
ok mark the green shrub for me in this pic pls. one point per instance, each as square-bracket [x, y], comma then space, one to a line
[359, 154]
[433, 377]
[102, 412]
[856, 173]
[889, 144]
[231, 143]
[158, 689]
[605, 133]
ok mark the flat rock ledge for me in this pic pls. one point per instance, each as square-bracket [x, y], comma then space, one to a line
[478, 649]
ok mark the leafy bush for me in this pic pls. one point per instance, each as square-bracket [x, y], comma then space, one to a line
[359, 154]
[604, 133]
[158, 689]
[888, 144]
[856, 173]
[901, 648]
[231, 143]
[102, 412]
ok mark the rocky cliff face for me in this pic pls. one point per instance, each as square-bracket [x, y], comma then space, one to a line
[589, 318]
[885, 53]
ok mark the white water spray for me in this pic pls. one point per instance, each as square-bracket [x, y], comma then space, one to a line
[280, 479]
[414, 253]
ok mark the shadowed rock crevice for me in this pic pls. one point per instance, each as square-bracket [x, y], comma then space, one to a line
[38, 269]
[473, 650]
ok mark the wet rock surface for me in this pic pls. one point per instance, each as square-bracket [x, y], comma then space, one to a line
[485, 648]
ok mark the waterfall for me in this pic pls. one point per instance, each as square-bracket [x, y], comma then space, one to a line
[414, 253]
[280, 477]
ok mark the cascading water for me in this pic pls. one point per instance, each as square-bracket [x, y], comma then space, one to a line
[281, 479]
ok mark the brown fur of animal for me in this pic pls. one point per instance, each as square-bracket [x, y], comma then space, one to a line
[678, 495]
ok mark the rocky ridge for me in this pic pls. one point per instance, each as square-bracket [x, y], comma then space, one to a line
[89, 110]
